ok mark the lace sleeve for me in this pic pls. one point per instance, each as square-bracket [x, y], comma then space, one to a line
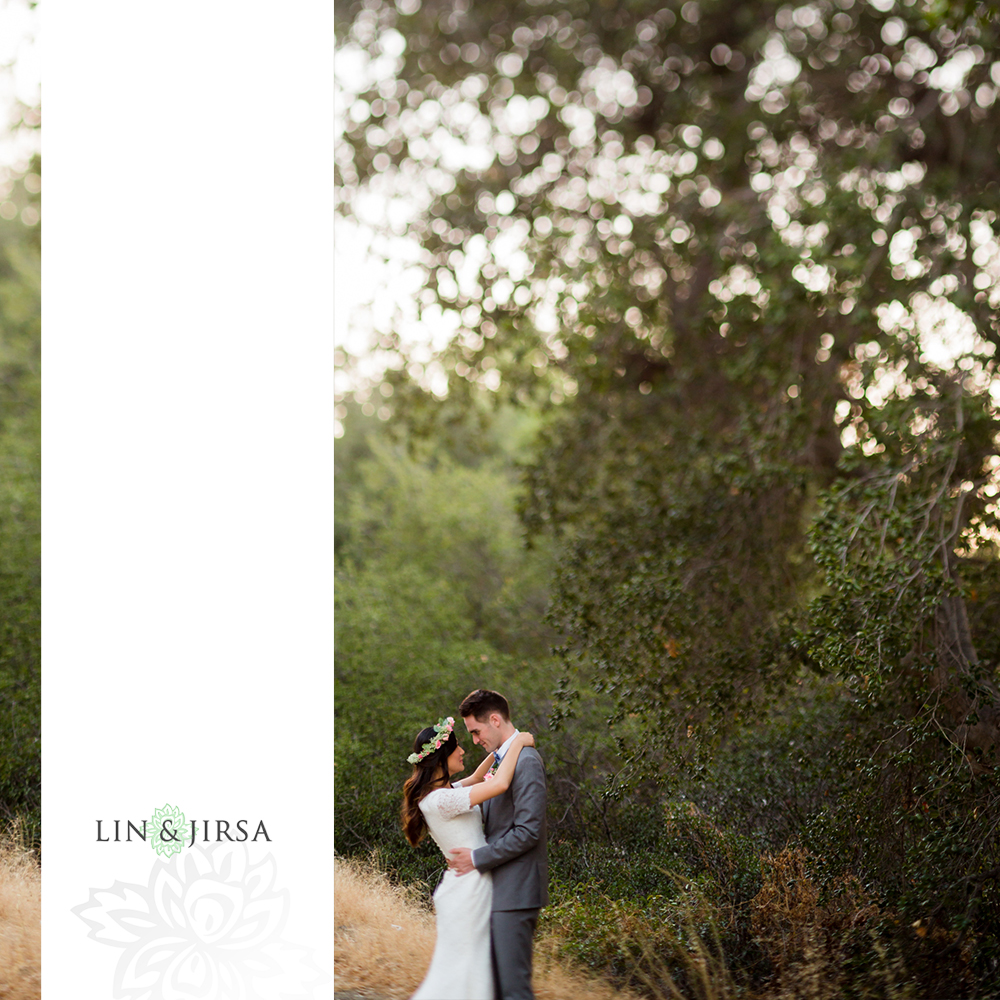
[452, 802]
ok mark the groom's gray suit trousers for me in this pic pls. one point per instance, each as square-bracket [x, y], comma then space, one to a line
[511, 935]
[515, 853]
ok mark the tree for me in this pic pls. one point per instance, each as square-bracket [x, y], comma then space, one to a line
[745, 256]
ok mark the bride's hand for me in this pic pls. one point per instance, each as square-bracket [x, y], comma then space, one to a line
[504, 774]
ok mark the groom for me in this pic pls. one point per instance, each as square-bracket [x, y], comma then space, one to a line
[515, 847]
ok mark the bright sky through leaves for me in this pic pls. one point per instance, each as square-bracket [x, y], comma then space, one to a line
[20, 82]
[379, 278]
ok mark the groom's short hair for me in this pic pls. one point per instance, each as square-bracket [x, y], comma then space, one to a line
[482, 703]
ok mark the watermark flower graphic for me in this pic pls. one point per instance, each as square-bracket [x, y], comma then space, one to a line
[207, 925]
[166, 831]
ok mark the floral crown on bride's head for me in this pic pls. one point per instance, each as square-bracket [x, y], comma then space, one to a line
[441, 733]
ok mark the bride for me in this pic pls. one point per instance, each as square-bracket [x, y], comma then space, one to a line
[460, 968]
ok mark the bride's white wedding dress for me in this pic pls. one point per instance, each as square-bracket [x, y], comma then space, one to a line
[460, 968]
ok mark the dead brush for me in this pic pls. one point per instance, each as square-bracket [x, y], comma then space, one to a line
[805, 941]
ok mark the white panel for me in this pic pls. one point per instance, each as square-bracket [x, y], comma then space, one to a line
[188, 471]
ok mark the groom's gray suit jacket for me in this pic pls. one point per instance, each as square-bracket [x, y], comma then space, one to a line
[515, 848]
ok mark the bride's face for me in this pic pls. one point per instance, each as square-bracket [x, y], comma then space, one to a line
[455, 760]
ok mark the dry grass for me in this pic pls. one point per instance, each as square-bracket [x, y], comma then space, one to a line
[555, 980]
[385, 937]
[20, 920]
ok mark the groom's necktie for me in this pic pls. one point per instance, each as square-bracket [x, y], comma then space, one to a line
[497, 756]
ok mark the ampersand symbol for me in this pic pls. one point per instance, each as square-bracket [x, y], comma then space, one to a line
[163, 831]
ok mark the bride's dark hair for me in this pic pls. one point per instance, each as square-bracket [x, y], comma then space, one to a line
[428, 774]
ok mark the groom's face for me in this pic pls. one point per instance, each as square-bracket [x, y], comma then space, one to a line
[486, 734]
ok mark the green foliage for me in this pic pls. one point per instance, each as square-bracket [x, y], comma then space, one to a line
[20, 520]
[674, 609]
[886, 542]
[739, 263]
[436, 595]
[817, 767]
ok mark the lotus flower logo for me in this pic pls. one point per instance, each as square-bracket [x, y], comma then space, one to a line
[169, 820]
[206, 926]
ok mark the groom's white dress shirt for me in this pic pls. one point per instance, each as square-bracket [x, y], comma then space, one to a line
[505, 746]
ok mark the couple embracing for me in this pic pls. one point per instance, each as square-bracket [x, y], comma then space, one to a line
[490, 827]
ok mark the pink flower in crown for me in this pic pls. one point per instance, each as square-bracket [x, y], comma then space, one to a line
[442, 733]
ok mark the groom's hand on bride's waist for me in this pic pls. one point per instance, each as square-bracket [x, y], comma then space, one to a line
[460, 861]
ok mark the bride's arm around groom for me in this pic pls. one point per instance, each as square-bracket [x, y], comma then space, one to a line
[515, 828]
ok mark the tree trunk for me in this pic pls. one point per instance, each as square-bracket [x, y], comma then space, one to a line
[971, 703]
